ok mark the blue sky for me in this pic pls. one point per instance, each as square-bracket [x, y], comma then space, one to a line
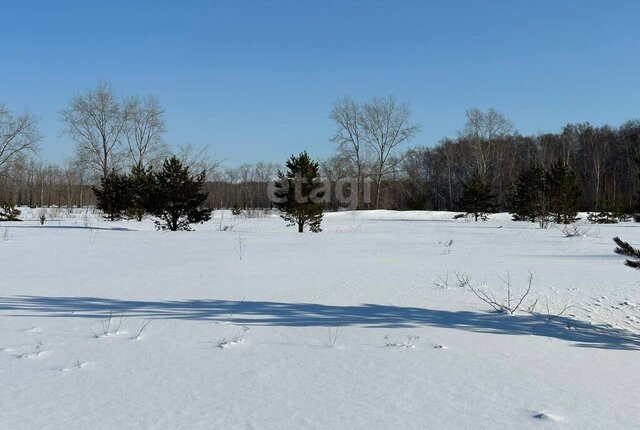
[255, 81]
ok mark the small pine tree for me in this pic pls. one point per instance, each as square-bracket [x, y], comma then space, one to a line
[627, 250]
[236, 210]
[529, 200]
[477, 199]
[564, 193]
[113, 195]
[602, 217]
[299, 193]
[141, 183]
[176, 197]
[612, 210]
[9, 212]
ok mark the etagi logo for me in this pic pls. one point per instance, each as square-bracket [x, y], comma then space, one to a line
[348, 192]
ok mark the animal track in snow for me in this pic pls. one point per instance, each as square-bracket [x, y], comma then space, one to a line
[544, 416]
[35, 352]
[78, 365]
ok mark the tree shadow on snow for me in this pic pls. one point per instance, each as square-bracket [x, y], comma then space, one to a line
[310, 315]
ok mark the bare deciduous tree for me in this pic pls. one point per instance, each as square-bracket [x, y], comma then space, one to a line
[18, 135]
[482, 128]
[349, 118]
[96, 121]
[197, 159]
[144, 130]
[375, 128]
[386, 125]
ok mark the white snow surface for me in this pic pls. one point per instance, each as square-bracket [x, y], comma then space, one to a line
[241, 323]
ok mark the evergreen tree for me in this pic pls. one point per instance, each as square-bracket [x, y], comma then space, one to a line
[236, 210]
[141, 183]
[113, 195]
[529, 200]
[627, 250]
[176, 197]
[605, 216]
[564, 193]
[634, 208]
[477, 199]
[299, 193]
[8, 212]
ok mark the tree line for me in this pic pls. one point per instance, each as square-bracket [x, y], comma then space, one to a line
[372, 142]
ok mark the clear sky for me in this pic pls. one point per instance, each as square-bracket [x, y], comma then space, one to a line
[255, 81]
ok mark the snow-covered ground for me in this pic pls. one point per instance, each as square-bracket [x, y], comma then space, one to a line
[259, 327]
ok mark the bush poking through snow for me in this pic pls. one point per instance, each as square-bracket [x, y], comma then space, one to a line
[510, 304]
[443, 281]
[544, 222]
[238, 338]
[225, 227]
[138, 336]
[574, 231]
[446, 246]
[6, 235]
[333, 334]
[42, 216]
[86, 219]
[241, 247]
[410, 343]
[110, 326]
[551, 315]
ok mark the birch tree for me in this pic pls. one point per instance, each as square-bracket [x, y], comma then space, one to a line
[386, 124]
[96, 122]
[143, 132]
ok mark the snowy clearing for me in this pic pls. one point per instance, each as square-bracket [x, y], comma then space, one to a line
[114, 325]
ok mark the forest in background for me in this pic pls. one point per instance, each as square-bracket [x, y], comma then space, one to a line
[373, 144]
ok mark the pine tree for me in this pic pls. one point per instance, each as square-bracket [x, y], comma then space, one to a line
[477, 199]
[634, 208]
[236, 210]
[612, 210]
[564, 193]
[627, 250]
[113, 195]
[8, 212]
[141, 183]
[529, 200]
[176, 197]
[299, 193]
